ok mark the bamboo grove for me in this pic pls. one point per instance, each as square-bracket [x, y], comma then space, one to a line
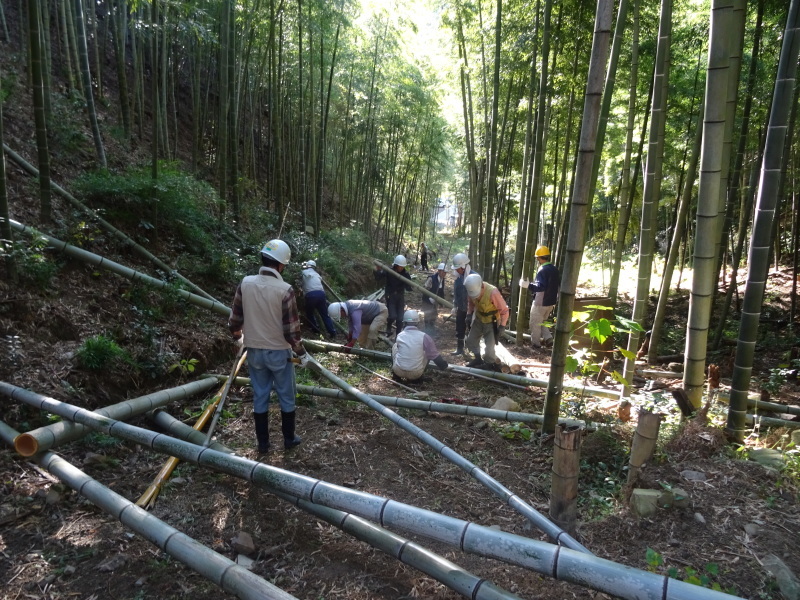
[601, 127]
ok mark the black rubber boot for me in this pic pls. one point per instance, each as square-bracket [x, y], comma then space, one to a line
[262, 431]
[475, 362]
[389, 327]
[460, 349]
[290, 440]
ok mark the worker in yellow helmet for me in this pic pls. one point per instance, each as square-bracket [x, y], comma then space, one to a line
[545, 296]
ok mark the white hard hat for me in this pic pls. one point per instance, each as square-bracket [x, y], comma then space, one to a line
[277, 250]
[473, 284]
[335, 310]
[400, 261]
[411, 316]
[441, 267]
[309, 263]
[460, 260]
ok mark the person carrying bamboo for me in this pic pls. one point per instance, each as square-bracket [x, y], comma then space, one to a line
[315, 299]
[413, 349]
[365, 320]
[434, 284]
[395, 292]
[460, 302]
[489, 315]
[264, 318]
[545, 296]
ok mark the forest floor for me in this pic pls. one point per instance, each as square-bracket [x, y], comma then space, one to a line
[55, 544]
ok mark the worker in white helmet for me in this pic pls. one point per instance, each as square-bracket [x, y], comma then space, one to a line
[462, 270]
[264, 317]
[430, 307]
[413, 349]
[365, 320]
[545, 297]
[395, 292]
[489, 316]
[315, 299]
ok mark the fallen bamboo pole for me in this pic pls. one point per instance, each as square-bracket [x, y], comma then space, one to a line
[148, 498]
[407, 552]
[430, 406]
[241, 356]
[50, 436]
[513, 500]
[110, 265]
[222, 571]
[166, 422]
[499, 377]
[124, 238]
[563, 564]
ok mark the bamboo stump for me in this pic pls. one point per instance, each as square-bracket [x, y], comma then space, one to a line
[644, 442]
[564, 485]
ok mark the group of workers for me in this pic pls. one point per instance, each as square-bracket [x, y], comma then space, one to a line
[264, 318]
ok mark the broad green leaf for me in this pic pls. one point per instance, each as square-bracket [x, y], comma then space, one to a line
[599, 329]
[627, 354]
[571, 364]
[619, 378]
[629, 324]
[580, 315]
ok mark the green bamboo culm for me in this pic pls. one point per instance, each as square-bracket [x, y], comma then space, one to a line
[34, 35]
[761, 237]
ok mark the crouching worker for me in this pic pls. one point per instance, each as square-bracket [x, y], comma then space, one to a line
[413, 349]
[365, 320]
[489, 314]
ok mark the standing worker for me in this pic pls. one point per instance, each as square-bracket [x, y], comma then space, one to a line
[315, 299]
[395, 292]
[430, 307]
[413, 349]
[545, 296]
[423, 256]
[462, 268]
[365, 320]
[264, 318]
[489, 313]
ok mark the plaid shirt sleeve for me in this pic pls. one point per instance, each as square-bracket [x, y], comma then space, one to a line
[291, 322]
[236, 319]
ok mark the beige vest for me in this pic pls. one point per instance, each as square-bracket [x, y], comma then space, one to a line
[262, 305]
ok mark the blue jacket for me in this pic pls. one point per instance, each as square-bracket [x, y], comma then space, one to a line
[547, 282]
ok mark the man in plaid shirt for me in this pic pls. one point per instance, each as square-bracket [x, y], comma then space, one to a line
[264, 318]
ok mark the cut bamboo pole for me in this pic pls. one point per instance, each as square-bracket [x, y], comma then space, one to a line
[564, 484]
[220, 570]
[414, 284]
[50, 436]
[392, 381]
[499, 377]
[122, 237]
[644, 442]
[498, 489]
[166, 422]
[561, 563]
[110, 265]
[407, 552]
[148, 499]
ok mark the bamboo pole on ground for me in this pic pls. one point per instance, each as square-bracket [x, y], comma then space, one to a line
[564, 484]
[498, 377]
[563, 564]
[644, 442]
[406, 551]
[50, 436]
[390, 380]
[125, 239]
[148, 499]
[499, 490]
[219, 569]
[110, 265]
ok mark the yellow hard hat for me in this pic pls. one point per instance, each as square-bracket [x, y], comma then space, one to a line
[542, 251]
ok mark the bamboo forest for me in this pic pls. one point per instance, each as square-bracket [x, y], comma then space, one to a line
[394, 299]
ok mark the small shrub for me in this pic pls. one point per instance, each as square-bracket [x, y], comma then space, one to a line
[100, 352]
[34, 267]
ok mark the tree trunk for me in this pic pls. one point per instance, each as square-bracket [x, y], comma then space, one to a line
[35, 38]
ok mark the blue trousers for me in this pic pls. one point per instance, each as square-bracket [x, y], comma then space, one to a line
[316, 301]
[271, 369]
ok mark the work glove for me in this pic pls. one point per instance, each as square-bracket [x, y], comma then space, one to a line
[349, 345]
[523, 283]
[500, 331]
[431, 300]
[303, 360]
[238, 340]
